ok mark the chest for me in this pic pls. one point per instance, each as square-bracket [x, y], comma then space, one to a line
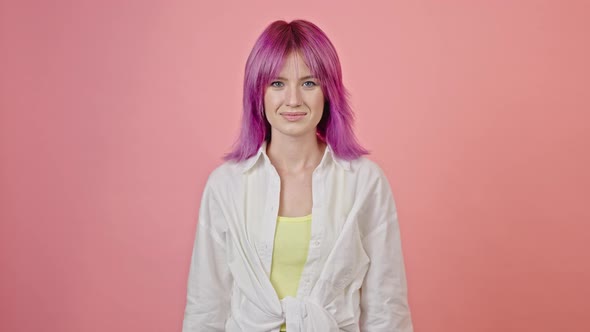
[295, 194]
[330, 196]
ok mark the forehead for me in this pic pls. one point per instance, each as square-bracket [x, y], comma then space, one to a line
[294, 65]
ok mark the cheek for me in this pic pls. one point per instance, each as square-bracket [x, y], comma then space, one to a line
[266, 99]
[271, 101]
[319, 101]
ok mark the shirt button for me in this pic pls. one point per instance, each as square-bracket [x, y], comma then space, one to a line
[316, 243]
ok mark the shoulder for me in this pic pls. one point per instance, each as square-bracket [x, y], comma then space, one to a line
[373, 185]
[367, 170]
[363, 163]
[224, 175]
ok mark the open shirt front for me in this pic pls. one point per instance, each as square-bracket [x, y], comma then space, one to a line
[353, 279]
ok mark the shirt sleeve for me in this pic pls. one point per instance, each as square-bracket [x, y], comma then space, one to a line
[209, 279]
[384, 303]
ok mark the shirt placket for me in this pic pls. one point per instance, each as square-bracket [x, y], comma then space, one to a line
[270, 217]
[317, 232]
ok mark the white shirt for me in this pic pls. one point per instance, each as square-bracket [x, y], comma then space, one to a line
[353, 280]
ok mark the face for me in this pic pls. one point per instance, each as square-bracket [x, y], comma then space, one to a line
[294, 101]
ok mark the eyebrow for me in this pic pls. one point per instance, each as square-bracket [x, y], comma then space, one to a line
[301, 79]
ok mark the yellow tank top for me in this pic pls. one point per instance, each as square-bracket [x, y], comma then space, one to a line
[289, 255]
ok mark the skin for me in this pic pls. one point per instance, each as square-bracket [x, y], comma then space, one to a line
[294, 91]
[294, 149]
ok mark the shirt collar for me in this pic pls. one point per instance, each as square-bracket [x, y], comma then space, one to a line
[328, 156]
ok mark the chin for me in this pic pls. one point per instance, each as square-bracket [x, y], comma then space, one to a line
[297, 133]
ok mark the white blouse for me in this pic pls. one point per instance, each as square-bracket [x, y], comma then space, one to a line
[354, 278]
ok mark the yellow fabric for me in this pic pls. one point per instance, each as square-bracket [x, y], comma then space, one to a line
[289, 255]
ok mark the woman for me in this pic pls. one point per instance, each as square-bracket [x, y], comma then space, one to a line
[297, 229]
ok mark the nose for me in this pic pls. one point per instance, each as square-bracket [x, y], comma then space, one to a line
[293, 97]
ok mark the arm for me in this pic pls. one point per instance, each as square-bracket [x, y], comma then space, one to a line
[384, 303]
[209, 280]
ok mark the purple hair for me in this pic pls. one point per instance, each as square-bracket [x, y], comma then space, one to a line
[266, 59]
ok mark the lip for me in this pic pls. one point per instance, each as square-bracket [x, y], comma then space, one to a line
[293, 116]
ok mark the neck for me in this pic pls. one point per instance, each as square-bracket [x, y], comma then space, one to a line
[295, 154]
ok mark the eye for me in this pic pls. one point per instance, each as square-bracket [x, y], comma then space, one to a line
[276, 84]
[309, 84]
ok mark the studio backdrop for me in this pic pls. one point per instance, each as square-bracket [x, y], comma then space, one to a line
[113, 113]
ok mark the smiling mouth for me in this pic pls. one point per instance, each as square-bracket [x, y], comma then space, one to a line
[293, 116]
[293, 113]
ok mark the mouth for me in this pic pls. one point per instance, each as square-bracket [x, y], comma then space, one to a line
[293, 116]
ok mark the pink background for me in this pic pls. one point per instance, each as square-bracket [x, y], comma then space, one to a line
[113, 114]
